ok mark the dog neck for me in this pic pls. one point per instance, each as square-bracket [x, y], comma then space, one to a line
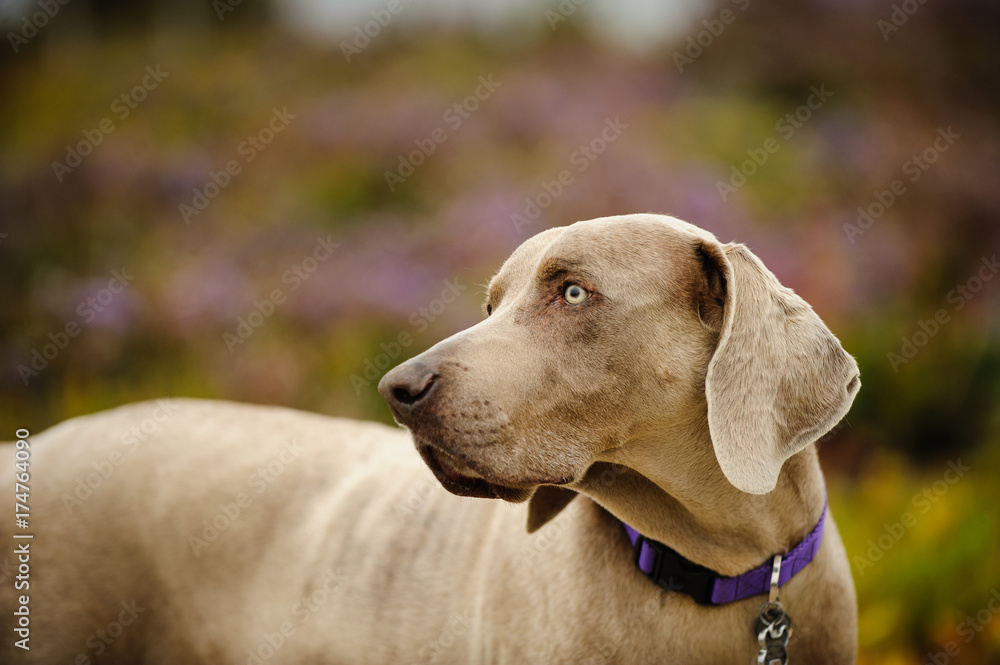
[683, 500]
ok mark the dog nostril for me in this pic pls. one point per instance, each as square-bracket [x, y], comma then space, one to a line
[404, 387]
[403, 395]
[409, 393]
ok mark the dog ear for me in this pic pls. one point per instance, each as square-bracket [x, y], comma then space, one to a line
[547, 502]
[778, 379]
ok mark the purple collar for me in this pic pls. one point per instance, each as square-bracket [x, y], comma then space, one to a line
[675, 573]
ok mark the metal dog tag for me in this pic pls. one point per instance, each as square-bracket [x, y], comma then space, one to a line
[773, 628]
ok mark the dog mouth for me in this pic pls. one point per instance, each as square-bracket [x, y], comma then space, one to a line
[459, 478]
[456, 476]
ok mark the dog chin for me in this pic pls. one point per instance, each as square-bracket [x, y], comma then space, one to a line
[458, 478]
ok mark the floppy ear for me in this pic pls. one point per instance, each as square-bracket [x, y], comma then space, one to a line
[778, 380]
[547, 502]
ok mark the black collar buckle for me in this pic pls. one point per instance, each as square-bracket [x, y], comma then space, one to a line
[675, 573]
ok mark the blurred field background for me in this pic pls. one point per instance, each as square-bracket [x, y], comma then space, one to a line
[412, 256]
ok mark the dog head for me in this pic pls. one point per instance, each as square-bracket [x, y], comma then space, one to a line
[613, 330]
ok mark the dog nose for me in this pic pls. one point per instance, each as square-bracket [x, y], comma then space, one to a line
[407, 385]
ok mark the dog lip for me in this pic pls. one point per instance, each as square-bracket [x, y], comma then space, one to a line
[458, 477]
[396, 415]
[446, 469]
[455, 469]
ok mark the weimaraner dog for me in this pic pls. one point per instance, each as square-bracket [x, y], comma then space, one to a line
[644, 399]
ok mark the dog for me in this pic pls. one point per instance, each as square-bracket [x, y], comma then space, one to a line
[630, 370]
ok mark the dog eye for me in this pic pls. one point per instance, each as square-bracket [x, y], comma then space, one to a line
[575, 294]
[489, 309]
